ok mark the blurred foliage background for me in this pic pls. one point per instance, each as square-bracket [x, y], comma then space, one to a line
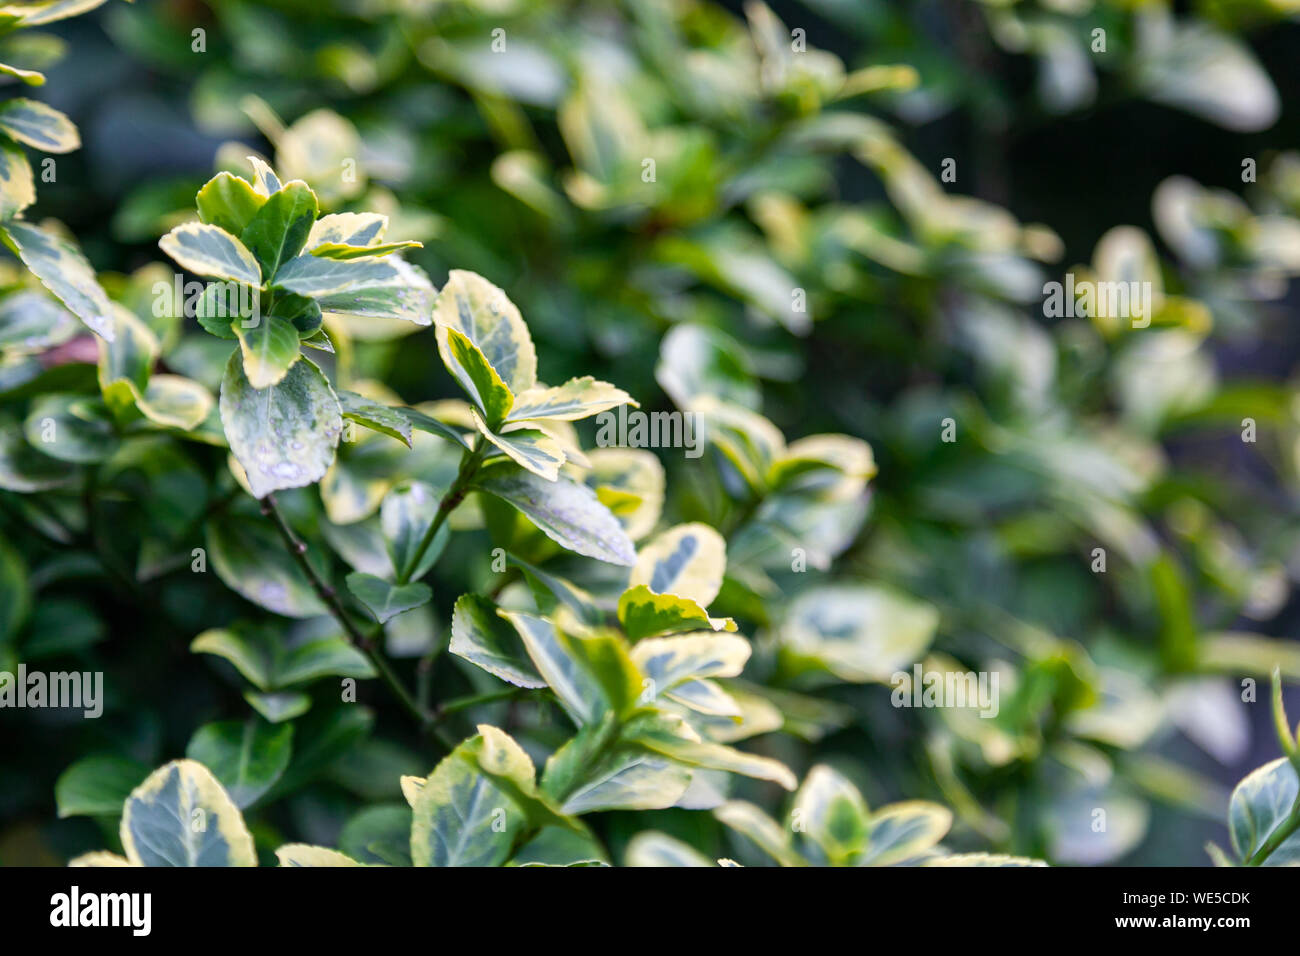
[796, 147]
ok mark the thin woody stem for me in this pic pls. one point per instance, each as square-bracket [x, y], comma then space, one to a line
[469, 465]
[364, 642]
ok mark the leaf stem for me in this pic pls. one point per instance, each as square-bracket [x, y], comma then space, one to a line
[473, 700]
[1279, 835]
[469, 465]
[329, 597]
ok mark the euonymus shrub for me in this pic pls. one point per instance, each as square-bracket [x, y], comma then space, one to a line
[777, 293]
[624, 646]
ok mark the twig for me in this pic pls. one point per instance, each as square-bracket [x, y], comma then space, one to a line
[469, 465]
[365, 643]
[473, 700]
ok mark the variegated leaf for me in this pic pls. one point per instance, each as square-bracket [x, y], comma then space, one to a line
[228, 202]
[269, 349]
[646, 614]
[402, 292]
[533, 449]
[347, 229]
[212, 252]
[283, 436]
[688, 560]
[181, 816]
[64, 271]
[482, 637]
[568, 513]
[40, 126]
[17, 188]
[482, 313]
[312, 276]
[301, 854]
[575, 399]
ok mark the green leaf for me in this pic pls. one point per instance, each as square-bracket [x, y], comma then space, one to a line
[64, 271]
[706, 697]
[24, 469]
[283, 436]
[97, 786]
[228, 202]
[272, 661]
[858, 633]
[126, 362]
[577, 398]
[384, 599]
[269, 350]
[181, 816]
[748, 441]
[646, 614]
[38, 125]
[246, 756]
[688, 560]
[827, 467]
[482, 637]
[250, 558]
[532, 449]
[279, 706]
[319, 340]
[1238, 652]
[568, 513]
[1190, 65]
[279, 229]
[212, 252]
[71, 428]
[218, 307]
[476, 376]
[323, 736]
[833, 816]
[477, 309]
[560, 846]
[1259, 805]
[426, 423]
[566, 592]
[380, 418]
[303, 313]
[379, 835]
[17, 188]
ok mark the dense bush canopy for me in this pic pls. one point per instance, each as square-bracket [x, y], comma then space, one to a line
[504, 432]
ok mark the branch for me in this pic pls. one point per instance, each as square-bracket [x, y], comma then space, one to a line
[469, 465]
[363, 642]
